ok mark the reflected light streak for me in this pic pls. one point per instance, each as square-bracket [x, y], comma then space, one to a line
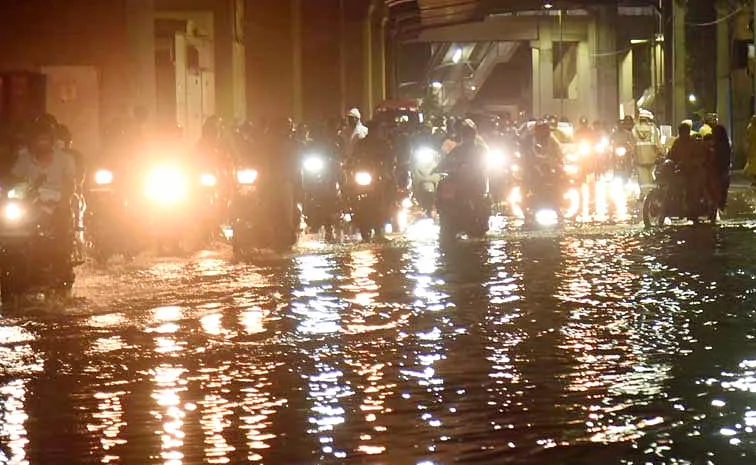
[169, 386]
[13, 434]
[316, 313]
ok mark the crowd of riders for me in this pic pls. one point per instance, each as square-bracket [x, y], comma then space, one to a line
[277, 147]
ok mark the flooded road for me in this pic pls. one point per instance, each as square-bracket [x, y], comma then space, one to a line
[585, 347]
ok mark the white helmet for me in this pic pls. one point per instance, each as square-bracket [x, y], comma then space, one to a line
[645, 114]
[354, 113]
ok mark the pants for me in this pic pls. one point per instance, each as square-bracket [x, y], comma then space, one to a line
[645, 175]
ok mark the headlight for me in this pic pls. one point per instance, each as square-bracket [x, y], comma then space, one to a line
[496, 159]
[314, 164]
[208, 180]
[166, 186]
[547, 217]
[103, 177]
[585, 148]
[602, 146]
[425, 155]
[621, 151]
[13, 212]
[246, 176]
[363, 178]
[571, 170]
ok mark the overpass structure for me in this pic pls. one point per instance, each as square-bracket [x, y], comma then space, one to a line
[585, 58]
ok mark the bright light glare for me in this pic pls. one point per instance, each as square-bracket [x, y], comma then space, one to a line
[573, 197]
[363, 178]
[166, 186]
[547, 217]
[436, 85]
[246, 176]
[585, 148]
[515, 202]
[208, 180]
[496, 159]
[692, 98]
[313, 164]
[103, 177]
[621, 151]
[407, 203]
[13, 212]
[571, 170]
[426, 155]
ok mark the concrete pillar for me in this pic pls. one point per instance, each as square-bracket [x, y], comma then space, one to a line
[367, 60]
[607, 81]
[585, 81]
[679, 61]
[296, 44]
[381, 73]
[626, 96]
[543, 72]
[723, 68]
[535, 51]
[140, 20]
[342, 57]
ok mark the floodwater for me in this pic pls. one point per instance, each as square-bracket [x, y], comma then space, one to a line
[588, 346]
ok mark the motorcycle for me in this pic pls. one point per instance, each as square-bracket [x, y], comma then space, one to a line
[259, 208]
[623, 161]
[369, 200]
[670, 198]
[105, 224]
[321, 194]
[424, 180]
[544, 201]
[37, 251]
[459, 211]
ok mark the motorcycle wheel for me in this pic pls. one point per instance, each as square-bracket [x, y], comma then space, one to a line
[653, 209]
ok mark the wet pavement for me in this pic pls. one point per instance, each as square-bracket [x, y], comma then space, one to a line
[591, 345]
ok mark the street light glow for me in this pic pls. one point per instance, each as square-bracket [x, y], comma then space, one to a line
[548, 5]
[436, 85]
[692, 98]
[457, 57]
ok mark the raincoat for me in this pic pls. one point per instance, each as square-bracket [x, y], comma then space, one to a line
[647, 150]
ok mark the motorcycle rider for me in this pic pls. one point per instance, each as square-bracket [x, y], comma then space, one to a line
[42, 163]
[688, 154]
[467, 161]
[540, 149]
[647, 148]
[283, 179]
[355, 132]
[320, 143]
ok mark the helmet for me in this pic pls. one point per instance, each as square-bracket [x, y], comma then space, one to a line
[213, 127]
[45, 125]
[354, 113]
[541, 129]
[645, 114]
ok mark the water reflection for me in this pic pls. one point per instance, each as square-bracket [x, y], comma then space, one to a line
[552, 348]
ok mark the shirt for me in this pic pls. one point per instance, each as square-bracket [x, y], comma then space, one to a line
[59, 173]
